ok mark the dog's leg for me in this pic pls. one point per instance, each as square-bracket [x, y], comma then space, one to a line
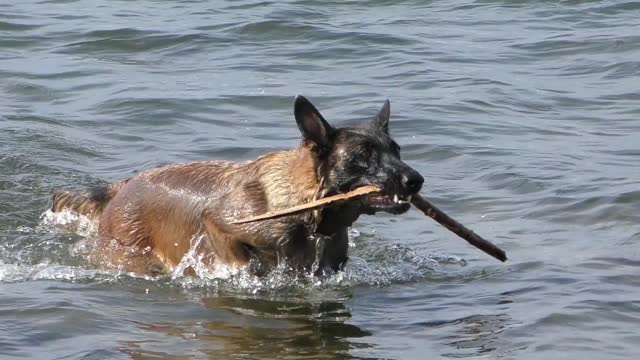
[225, 244]
[320, 243]
[333, 252]
[154, 267]
[110, 254]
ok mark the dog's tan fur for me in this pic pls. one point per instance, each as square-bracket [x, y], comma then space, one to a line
[167, 212]
[164, 209]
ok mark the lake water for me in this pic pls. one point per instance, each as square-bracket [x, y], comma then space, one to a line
[523, 116]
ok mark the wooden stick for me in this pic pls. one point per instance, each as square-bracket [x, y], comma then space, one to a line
[445, 220]
[364, 190]
[417, 200]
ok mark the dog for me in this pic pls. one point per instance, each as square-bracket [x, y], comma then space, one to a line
[159, 213]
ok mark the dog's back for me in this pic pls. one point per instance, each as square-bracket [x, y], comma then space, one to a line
[166, 208]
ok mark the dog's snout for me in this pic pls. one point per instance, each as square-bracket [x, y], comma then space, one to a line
[412, 181]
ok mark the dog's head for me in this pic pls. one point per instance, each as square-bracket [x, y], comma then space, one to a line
[355, 156]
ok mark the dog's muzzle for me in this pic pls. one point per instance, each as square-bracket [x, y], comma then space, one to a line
[393, 204]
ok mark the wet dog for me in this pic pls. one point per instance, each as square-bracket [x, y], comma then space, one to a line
[166, 212]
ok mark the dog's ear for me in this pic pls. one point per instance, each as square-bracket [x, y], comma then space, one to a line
[312, 125]
[381, 120]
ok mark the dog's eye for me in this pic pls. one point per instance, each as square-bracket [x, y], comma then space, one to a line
[360, 161]
[361, 157]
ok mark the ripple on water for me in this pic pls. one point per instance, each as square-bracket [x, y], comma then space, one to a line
[129, 41]
[523, 115]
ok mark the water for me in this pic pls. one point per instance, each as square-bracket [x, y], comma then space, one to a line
[522, 115]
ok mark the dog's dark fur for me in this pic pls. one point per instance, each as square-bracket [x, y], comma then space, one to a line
[163, 211]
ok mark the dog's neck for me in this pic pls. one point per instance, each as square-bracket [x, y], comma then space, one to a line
[290, 177]
[306, 174]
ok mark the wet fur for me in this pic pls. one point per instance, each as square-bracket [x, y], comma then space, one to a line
[162, 211]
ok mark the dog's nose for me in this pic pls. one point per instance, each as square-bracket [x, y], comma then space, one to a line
[412, 181]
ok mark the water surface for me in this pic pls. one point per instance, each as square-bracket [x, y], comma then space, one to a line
[522, 115]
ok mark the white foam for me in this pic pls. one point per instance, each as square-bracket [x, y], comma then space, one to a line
[68, 221]
[367, 266]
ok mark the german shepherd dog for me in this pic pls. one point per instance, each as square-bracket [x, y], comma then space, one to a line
[162, 210]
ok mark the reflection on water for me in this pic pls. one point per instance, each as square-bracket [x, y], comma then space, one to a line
[476, 334]
[259, 328]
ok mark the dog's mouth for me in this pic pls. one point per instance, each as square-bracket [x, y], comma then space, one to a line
[394, 204]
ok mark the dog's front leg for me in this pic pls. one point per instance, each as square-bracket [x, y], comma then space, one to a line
[317, 243]
[331, 252]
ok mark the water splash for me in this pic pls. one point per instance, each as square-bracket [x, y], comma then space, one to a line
[67, 221]
[10, 273]
[368, 265]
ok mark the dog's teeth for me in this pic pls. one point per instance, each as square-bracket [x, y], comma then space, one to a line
[397, 200]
